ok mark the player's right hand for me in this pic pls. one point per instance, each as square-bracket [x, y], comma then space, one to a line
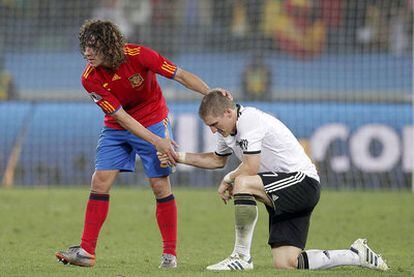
[165, 146]
[164, 161]
[225, 191]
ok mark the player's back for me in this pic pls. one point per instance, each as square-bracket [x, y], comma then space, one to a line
[280, 149]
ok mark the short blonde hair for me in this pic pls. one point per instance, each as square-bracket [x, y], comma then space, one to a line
[214, 104]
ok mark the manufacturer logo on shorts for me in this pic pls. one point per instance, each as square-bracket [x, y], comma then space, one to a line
[274, 197]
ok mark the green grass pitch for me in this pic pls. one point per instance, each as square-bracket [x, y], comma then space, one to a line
[34, 223]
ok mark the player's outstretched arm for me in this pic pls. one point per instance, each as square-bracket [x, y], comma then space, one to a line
[191, 81]
[163, 145]
[202, 160]
[195, 83]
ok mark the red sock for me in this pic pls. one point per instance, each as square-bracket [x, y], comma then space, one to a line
[167, 223]
[95, 215]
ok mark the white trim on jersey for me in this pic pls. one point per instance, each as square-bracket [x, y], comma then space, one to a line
[284, 183]
[273, 174]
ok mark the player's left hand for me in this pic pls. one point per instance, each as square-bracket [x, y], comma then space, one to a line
[165, 146]
[225, 191]
[225, 93]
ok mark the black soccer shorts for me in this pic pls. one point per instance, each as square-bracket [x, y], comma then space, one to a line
[294, 196]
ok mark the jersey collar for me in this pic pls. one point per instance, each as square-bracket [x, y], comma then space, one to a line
[239, 109]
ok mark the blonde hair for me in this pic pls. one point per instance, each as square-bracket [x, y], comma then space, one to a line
[214, 104]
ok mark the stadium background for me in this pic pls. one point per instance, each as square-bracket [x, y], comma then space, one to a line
[340, 78]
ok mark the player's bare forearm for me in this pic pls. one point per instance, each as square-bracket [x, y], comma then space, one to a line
[130, 124]
[249, 167]
[244, 169]
[191, 81]
[204, 160]
[163, 145]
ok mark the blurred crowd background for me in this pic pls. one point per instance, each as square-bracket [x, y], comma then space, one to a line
[302, 29]
[339, 73]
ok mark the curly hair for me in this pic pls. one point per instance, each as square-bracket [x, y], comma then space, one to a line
[104, 37]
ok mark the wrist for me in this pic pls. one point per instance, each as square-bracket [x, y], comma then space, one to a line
[181, 157]
[228, 178]
[155, 140]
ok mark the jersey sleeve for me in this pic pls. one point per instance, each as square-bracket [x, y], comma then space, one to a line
[101, 96]
[156, 62]
[222, 149]
[252, 132]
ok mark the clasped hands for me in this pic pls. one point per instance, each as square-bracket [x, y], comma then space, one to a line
[165, 152]
[225, 189]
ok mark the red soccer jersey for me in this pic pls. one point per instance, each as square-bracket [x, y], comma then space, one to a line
[133, 86]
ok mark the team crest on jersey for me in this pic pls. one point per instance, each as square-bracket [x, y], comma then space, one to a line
[136, 80]
[243, 144]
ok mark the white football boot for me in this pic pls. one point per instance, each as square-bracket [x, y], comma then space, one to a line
[233, 262]
[367, 257]
[168, 261]
[76, 255]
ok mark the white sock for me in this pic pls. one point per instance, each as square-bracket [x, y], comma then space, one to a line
[324, 259]
[246, 215]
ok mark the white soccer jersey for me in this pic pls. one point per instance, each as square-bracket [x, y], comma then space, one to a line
[259, 132]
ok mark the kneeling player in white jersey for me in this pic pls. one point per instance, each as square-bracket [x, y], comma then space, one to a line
[275, 170]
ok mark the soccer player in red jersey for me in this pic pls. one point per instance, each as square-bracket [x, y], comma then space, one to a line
[121, 79]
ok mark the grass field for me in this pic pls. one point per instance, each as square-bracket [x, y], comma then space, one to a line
[34, 223]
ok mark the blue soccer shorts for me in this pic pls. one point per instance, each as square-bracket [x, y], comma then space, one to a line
[117, 149]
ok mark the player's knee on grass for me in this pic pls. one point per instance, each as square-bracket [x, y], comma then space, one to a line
[285, 263]
[285, 257]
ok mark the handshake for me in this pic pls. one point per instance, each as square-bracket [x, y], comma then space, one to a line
[166, 161]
